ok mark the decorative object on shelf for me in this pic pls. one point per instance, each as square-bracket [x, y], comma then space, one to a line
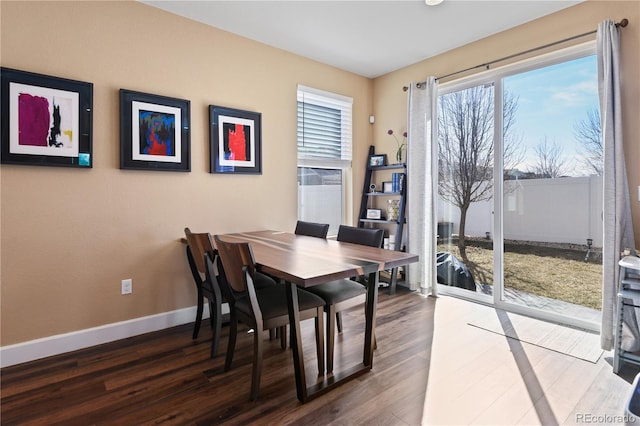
[393, 208]
[374, 214]
[236, 141]
[154, 132]
[46, 121]
[400, 144]
[387, 187]
[397, 182]
[372, 188]
[378, 160]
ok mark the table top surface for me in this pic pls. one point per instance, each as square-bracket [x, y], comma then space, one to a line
[307, 261]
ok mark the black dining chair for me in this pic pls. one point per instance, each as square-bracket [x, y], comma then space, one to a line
[343, 294]
[260, 309]
[207, 286]
[312, 229]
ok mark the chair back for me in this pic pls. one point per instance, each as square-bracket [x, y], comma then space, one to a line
[198, 245]
[365, 236]
[312, 229]
[235, 257]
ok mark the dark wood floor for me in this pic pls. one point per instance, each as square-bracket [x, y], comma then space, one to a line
[168, 378]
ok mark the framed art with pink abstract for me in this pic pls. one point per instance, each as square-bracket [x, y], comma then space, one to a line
[154, 132]
[46, 121]
[236, 141]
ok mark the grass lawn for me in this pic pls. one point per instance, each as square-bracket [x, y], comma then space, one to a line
[552, 272]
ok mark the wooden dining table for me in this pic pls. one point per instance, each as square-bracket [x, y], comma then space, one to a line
[307, 261]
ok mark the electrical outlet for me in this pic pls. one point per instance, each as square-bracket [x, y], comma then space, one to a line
[127, 286]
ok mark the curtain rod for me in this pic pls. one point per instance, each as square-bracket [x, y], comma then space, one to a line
[623, 23]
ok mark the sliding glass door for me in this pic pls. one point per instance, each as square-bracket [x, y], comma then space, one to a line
[520, 188]
[465, 186]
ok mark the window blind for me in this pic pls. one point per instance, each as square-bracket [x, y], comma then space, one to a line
[324, 126]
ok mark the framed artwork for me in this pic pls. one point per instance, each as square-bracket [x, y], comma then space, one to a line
[387, 186]
[378, 160]
[154, 132]
[374, 214]
[236, 141]
[46, 121]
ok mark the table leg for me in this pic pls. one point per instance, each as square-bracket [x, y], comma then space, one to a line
[370, 313]
[337, 378]
[296, 341]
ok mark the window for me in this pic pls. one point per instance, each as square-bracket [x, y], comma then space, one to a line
[324, 156]
[520, 160]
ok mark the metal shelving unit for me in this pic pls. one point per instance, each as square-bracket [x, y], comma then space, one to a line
[368, 195]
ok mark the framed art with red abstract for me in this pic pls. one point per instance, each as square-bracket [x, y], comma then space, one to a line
[154, 132]
[236, 141]
[46, 121]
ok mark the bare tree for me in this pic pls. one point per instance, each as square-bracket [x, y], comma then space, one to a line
[549, 163]
[588, 133]
[466, 157]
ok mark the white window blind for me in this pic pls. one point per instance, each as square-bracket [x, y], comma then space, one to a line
[324, 127]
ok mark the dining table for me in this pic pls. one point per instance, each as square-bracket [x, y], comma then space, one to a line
[305, 261]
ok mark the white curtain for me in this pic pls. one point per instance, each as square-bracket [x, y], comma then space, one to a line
[422, 182]
[617, 226]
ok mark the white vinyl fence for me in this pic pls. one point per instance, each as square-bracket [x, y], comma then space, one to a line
[562, 210]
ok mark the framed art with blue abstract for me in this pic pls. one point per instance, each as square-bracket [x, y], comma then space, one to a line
[236, 141]
[46, 121]
[154, 132]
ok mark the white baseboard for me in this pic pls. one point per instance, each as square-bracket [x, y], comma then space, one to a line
[67, 342]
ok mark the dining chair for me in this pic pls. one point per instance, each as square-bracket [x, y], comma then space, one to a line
[343, 294]
[207, 286]
[312, 229]
[261, 309]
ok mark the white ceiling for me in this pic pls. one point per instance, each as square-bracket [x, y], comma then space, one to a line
[366, 37]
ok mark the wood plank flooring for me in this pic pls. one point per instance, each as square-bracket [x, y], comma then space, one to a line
[430, 367]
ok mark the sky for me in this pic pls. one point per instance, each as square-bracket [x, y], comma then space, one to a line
[551, 101]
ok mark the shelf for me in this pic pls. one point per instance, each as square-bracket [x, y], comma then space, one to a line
[388, 167]
[378, 221]
[381, 194]
[370, 192]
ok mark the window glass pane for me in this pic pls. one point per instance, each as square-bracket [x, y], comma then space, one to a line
[553, 196]
[465, 186]
[320, 196]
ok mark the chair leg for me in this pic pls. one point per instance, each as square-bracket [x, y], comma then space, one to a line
[233, 332]
[216, 326]
[320, 340]
[339, 321]
[257, 365]
[331, 336]
[282, 331]
[196, 327]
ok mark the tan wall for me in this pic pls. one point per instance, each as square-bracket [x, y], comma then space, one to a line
[390, 102]
[70, 236]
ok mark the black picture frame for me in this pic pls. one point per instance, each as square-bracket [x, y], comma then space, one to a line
[168, 147]
[46, 120]
[378, 160]
[374, 214]
[246, 129]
